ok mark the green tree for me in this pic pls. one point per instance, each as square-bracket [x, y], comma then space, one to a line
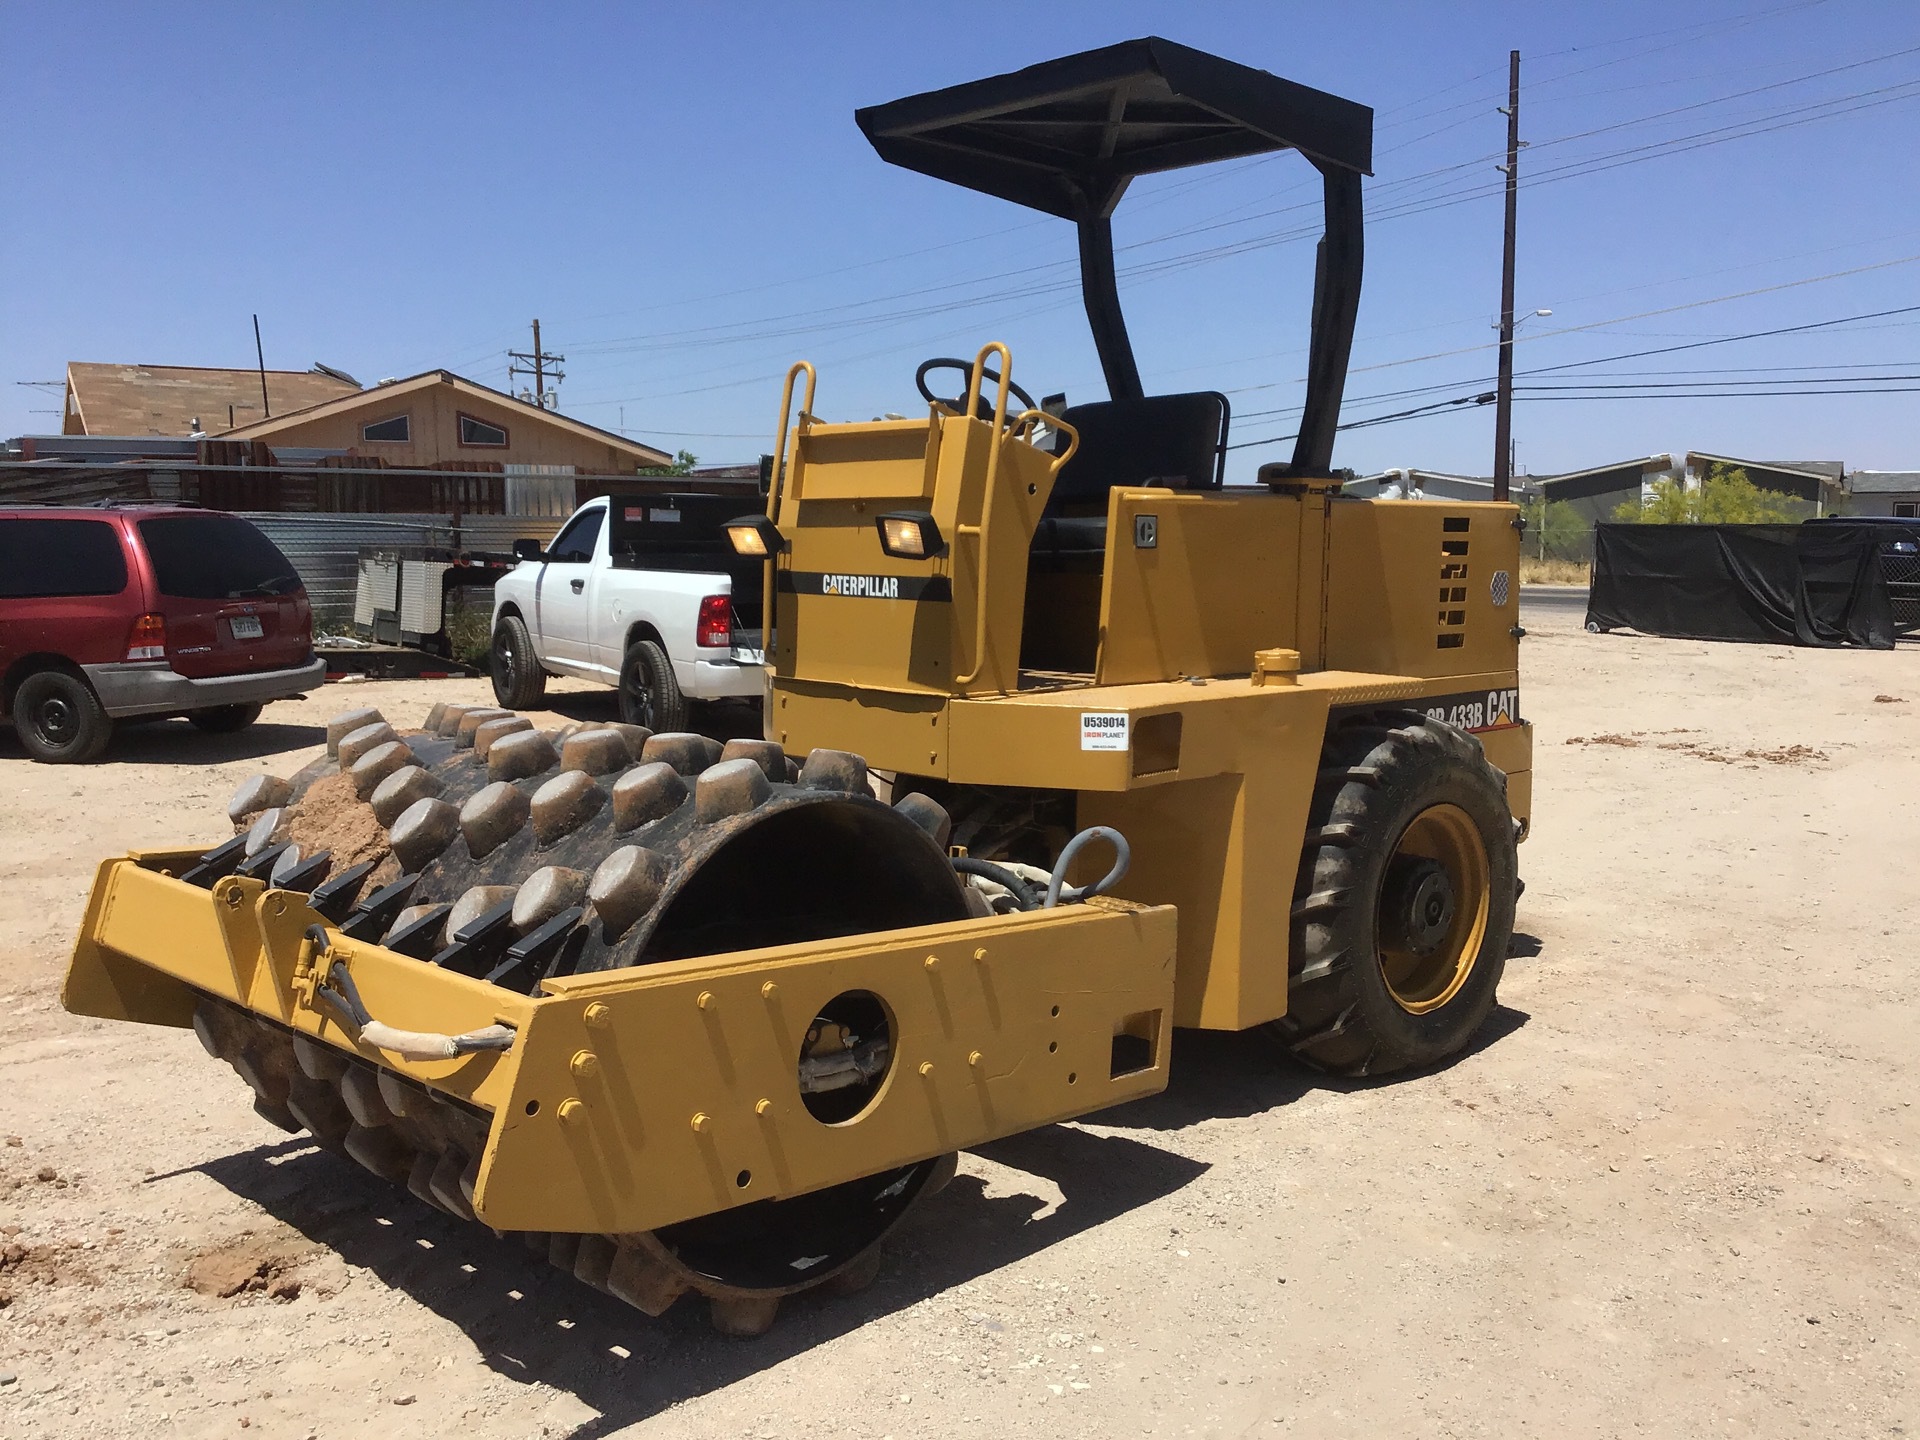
[1555, 530]
[683, 464]
[1725, 496]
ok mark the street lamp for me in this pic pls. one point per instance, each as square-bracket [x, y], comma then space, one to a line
[1521, 320]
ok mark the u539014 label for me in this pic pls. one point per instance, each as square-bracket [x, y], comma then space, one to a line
[1103, 730]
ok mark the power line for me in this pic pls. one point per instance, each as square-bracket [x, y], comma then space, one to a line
[1753, 369]
[860, 316]
[1649, 385]
[1729, 394]
[1667, 310]
[1724, 99]
[1409, 112]
[1637, 354]
[1213, 175]
[1025, 293]
[1485, 397]
[1609, 359]
[1559, 301]
[1524, 392]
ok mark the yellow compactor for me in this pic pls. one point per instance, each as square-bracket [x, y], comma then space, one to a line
[1067, 744]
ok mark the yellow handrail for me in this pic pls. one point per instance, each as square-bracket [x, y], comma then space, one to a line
[974, 377]
[776, 484]
[1041, 417]
[978, 532]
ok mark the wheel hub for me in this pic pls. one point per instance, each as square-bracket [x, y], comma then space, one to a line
[639, 696]
[1419, 904]
[57, 721]
[1434, 903]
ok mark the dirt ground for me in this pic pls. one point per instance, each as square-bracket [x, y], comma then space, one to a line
[1669, 1191]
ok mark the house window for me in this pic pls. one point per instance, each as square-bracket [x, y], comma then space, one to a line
[1906, 509]
[481, 432]
[395, 429]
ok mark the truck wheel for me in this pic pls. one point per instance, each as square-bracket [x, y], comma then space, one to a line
[226, 719]
[518, 681]
[59, 719]
[1403, 909]
[649, 695]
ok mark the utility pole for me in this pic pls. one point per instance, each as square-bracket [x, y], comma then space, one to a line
[537, 361]
[260, 355]
[1503, 406]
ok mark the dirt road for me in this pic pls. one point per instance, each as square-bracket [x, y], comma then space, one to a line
[1669, 1192]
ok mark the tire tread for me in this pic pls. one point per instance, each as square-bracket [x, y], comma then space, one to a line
[1327, 1025]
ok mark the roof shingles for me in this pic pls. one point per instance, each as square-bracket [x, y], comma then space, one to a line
[167, 399]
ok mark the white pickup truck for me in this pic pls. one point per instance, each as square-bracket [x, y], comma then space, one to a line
[640, 593]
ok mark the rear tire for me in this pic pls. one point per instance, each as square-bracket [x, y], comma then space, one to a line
[1403, 908]
[649, 694]
[518, 681]
[225, 719]
[59, 719]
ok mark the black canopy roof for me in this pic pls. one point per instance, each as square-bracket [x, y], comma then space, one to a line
[1066, 136]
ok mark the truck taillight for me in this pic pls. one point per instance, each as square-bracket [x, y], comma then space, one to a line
[148, 641]
[716, 622]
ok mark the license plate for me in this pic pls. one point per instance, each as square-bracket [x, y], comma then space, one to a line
[246, 627]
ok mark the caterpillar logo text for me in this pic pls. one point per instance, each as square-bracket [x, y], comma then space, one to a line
[873, 587]
[865, 587]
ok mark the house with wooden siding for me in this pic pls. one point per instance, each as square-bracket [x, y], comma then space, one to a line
[439, 420]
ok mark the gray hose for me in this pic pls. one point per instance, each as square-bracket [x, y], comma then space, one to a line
[1122, 858]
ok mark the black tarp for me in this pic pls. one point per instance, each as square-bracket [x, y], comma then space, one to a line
[1785, 584]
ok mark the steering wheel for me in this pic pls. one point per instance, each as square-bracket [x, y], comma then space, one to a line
[983, 406]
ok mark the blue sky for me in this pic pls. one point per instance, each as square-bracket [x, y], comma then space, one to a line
[680, 194]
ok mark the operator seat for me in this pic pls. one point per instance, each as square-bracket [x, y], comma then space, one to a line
[1174, 442]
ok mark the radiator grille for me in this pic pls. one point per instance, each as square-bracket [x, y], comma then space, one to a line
[1452, 621]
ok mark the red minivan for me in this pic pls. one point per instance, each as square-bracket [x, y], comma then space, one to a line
[121, 610]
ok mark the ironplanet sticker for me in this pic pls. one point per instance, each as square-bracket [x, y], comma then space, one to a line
[865, 587]
[1103, 730]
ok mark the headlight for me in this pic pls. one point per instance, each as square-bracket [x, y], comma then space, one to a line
[755, 536]
[910, 535]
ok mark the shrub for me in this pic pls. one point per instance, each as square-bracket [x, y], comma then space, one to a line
[1725, 497]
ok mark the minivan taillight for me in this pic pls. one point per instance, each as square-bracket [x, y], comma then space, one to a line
[716, 622]
[149, 638]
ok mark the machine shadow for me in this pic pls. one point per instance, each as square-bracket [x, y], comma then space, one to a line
[531, 1322]
[722, 719]
[1230, 1075]
[177, 742]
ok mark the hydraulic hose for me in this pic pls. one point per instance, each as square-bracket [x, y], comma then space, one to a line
[1059, 890]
